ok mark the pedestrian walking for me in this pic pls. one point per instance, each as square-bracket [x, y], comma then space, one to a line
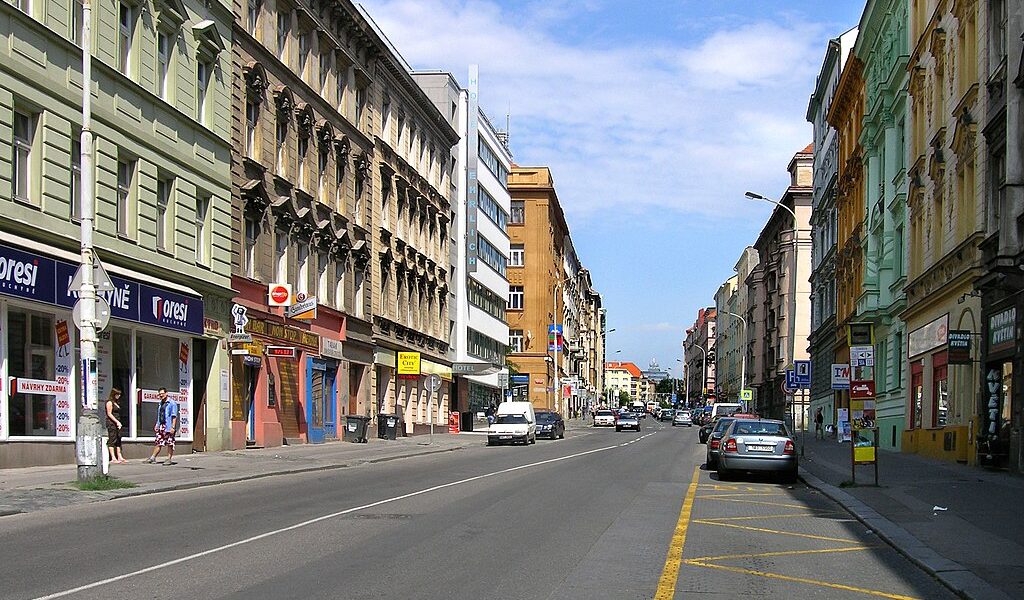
[114, 426]
[819, 420]
[166, 426]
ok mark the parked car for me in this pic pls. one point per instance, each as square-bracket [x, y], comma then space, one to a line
[762, 445]
[604, 418]
[513, 422]
[666, 414]
[682, 417]
[550, 424]
[627, 421]
[715, 440]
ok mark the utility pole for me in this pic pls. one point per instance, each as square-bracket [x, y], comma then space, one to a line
[89, 437]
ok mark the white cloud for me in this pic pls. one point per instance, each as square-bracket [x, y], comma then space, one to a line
[687, 127]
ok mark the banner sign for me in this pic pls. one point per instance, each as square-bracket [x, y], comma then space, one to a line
[472, 184]
[1002, 329]
[862, 389]
[43, 279]
[408, 365]
[959, 347]
[303, 310]
[554, 338]
[840, 376]
[930, 336]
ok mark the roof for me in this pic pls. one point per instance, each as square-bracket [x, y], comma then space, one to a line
[809, 149]
[634, 371]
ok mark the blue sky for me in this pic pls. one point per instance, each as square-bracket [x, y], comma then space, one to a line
[654, 116]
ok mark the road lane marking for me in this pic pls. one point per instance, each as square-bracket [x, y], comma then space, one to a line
[765, 530]
[315, 520]
[670, 572]
[742, 495]
[827, 584]
[762, 502]
[784, 516]
[779, 553]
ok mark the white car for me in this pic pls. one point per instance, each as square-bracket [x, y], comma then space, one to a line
[604, 418]
[682, 417]
[512, 429]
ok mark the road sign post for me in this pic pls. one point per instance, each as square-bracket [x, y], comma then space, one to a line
[433, 384]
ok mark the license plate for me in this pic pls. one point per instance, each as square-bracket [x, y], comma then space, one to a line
[504, 437]
[761, 448]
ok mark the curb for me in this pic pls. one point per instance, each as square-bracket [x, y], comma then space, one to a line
[958, 578]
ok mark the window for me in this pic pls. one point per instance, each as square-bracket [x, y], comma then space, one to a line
[339, 183]
[357, 212]
[284, 20]
[358, 294]
[385, 201]
[252, 233]
[25, 6]
[515, 340]
[341, 83]
[515, 297]
[76, 175]
[518, 216]
[156, 360]
[303, 152]
[339, 285]
[916, 393]
[516, 256]
[31, 354]
[281, 256]
[281, 137]
[997, 38]
[77, 15]
[164, 190]
[253, 17]
[322, 263]
[323, 159]
[204, 71]
[489, 158]
[203, 227]
[302, 283]
[126, 34]
[490, 207]
[252, 117]
[164, 52]
[23, 171]
[486, 348]
[486, 300]
[360, 105]
[304, 51]
[325, 70]
[491, 256]
[125, 191]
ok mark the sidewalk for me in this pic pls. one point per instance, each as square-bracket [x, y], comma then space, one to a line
[975, 546]
[40, 488]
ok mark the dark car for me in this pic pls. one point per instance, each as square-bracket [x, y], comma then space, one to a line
[550, 424]
[666, 414]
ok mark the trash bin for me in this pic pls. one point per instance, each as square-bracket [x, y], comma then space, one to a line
[355, 428]
[387, 426]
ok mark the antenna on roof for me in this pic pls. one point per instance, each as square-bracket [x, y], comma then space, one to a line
[503, 135]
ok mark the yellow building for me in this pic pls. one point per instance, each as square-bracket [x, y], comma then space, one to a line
[946, 219]
[847, 116]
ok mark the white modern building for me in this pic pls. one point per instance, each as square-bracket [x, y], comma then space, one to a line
[481, 248]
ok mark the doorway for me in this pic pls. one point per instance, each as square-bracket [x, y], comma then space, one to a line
[200, 377]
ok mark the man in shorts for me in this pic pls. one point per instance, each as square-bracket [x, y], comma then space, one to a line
[165, 428]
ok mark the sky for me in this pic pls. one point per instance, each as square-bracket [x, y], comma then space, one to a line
[654, 117]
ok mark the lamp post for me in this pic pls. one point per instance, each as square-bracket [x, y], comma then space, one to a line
[743, 359]
[792, 274]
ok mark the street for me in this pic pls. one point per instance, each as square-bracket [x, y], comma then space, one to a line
[599, 514]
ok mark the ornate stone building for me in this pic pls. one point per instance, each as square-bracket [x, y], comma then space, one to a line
[947, 221]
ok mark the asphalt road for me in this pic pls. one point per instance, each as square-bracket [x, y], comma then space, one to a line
[597, 515]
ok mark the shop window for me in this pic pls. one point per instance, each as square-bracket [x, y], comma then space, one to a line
[940, 390]
[115, 349]
[916, 394]
[157, 365]
[30, 340]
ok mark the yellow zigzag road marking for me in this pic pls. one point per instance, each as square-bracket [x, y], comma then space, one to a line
[670, 572]
[740, 495]
[785, 516]
[763, 530]
[780, 553]
[827, 584]
[760, 502]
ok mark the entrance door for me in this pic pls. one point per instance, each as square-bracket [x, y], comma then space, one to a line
[330, 406]
[200, 374]
[252, 377]
[315, 385]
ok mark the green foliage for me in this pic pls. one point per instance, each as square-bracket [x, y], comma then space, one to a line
[623, 398]
[102, 483]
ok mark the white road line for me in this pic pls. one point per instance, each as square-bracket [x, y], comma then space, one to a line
[268, 534]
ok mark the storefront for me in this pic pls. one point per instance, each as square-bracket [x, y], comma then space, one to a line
[410, 398]
[148, 344]
[1000, 407]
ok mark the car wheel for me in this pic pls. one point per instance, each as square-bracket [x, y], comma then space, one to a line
[710, 463]
[489, 443]
[533, 440]
[618, 429]
[561, 435]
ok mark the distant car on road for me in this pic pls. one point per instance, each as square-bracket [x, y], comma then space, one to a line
[762, 445]
[627, 421]
[604, 418]
[682, 417]
[666, 414]
[550, 424]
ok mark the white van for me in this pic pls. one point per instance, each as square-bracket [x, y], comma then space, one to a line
[720, 409]
[513, 422]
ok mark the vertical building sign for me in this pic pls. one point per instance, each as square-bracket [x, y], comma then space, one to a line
[472, 152]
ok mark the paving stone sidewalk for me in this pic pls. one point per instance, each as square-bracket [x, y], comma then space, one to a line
[962, 524]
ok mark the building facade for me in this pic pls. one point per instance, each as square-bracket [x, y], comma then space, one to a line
[482, 206]
[700, 354]
[1000, 407]
[623, 377]
[161, 125]
[782, 291]
[823, 227]
[946, 223]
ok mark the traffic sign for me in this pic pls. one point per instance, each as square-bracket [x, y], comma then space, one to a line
[803, 373]
[102, 314]
[100, 279]
[434, 382]
[789, 385]
[746, 395]
[503, 380]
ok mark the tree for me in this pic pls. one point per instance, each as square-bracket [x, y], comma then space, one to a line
[665, 386]
[623, 398]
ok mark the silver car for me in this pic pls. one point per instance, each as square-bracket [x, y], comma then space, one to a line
[627, 421]
[682, 417]
[762, 445]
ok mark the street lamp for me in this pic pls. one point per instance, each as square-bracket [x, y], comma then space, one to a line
[743, 359]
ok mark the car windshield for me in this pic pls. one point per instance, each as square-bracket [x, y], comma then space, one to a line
[759, 428]
[627, 416]
[605, 413]
[511, 420]
[682, 415]
[722, 424]
[546, 417]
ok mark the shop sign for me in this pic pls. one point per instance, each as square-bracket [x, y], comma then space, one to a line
[959, 350]
[281, 351]
[279, 294]
[35, 277]
[303, 309]
[862, 389]
[408, 364]
[840, 376]
[1002, 329]
[930, 336]
[331, 348]
[862, 356]
[211, 326]
[280, 332]
[42, 387]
